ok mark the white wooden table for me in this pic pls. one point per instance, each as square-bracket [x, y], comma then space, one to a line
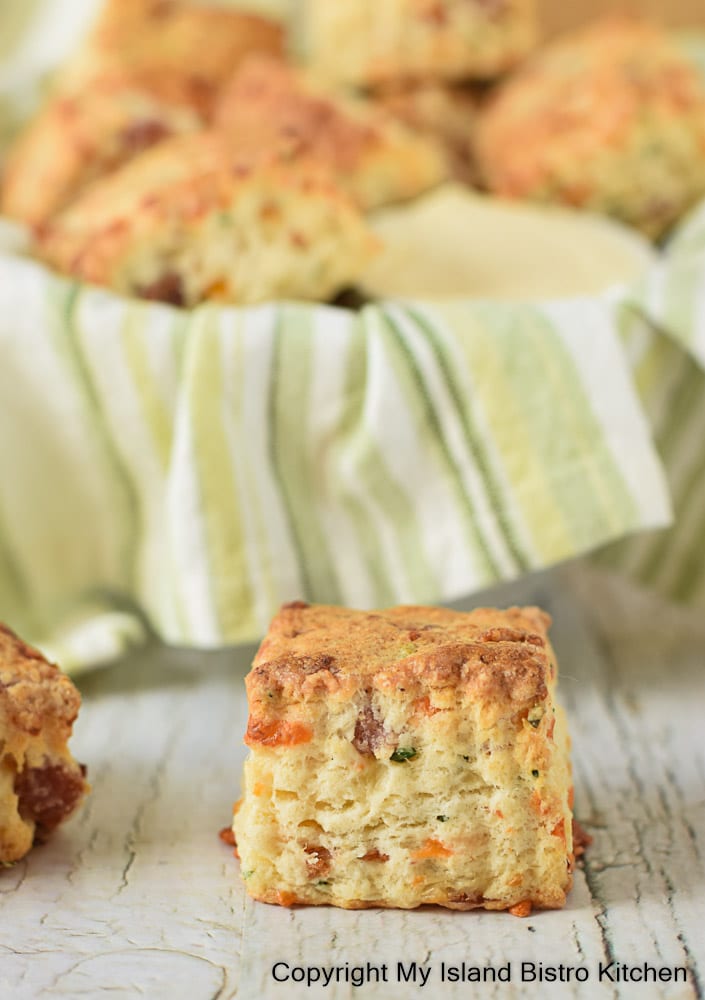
[137, 897]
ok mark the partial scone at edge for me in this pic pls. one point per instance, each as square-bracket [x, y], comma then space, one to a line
[367, 43]
[40, 782]
[406, 757]
[194, 220]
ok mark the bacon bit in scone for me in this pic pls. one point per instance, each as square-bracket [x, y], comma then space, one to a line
[369, 734]
[374, 855]
[277, 733]
[522, 909]
[169, 288]
[431, 849]
[48, 794]
[140, 135]
[227, 836]
[318, 860]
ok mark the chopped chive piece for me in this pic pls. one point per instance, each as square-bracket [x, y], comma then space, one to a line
[465, 758]
[403, 754]
[442, 819]
[322, 882]
[534, 774]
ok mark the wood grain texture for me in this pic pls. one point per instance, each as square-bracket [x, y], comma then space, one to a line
[137, 896]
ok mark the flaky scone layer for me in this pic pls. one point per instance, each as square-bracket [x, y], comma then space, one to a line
[406, 757]
[40, 782]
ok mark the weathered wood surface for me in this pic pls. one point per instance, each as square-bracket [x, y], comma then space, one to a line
[137, 897]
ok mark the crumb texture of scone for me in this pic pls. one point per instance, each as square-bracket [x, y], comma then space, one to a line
[610, 119]
[40, 782]
[194, 220]
[368, 43]
[205, 44]
[76, 139]
[375, 158]
[406, 757]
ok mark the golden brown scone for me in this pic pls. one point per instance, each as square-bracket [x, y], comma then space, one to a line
[445, 113]
[610, 118]
[405, 757]
[204, 43]
[368, 42]
[191, 220]
[78, 138]
[40, 782]
[375, 159]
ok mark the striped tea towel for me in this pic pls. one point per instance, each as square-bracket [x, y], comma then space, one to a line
[186, 473]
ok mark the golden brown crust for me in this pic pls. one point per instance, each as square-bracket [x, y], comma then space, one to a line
[40, 782]
[610, 118]
[205, 44]
[77, 138]
[496, 656]
[375, 158]
[32, 690]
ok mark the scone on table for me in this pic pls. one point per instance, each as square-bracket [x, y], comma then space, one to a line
[194, 220]
[40, 782]
[610, 118]
[406, 757]
[369, 43]
[374, 157]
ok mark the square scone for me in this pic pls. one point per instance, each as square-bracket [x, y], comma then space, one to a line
[406, 757]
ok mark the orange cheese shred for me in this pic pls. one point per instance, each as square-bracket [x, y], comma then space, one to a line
[276, 733]
[432, 849]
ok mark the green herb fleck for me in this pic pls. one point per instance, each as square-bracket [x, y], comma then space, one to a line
[322, 882]
[534, 773]
[465, 758]
[402, 754]
[248, 874]
[442, 819]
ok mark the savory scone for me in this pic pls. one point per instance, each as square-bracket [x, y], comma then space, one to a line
[368, 43]
[191, 220]
[77, 138]
[205, 43]
[406, 757]
[611, 118]
[375, 158]
[445, 113]
[40, 782]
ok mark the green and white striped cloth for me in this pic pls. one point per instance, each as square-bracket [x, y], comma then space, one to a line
[188, 472]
